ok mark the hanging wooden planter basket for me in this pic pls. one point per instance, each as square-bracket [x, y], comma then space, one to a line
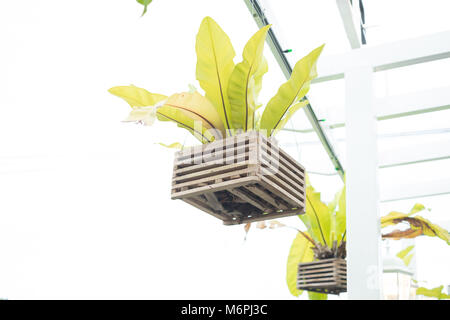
[240, 179]
[324, 276]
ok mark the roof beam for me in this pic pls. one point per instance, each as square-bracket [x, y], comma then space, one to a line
[407, 155]
[415, 154]
[397, 106]
[351, 21]
[414, 190]
[387, 56]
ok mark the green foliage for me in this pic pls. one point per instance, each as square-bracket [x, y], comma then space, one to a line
[325, 234]
[231, 91]
[317, 296]
[290, 93]
[145, 3]
[324, 237]
[301, 251]
[433, 293]
[405, 255]
[241, 85]
[175, 145]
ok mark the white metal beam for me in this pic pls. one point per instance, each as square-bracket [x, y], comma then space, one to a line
[415, 154]
[405, 155]
[364, 263]
[352, 23]
[386, 56]
[435, 99]
[417, 190]
[396, 106]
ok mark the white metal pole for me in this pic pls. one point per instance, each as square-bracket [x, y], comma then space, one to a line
[364, 264]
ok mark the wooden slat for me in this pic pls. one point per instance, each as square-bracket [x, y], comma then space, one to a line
[212, 164]
[340, 270]
[263, 217]
[275, 154]
[213, 156]
[321, 276]
[216, 205]
[196, 150]
[286, 158]
[193, 183]
[217, 187]
[273, 184]
[319, 262]
[211, 172]
[326, 276]
[326, 285]
[217, 146]
[296, 190]
[281, 173]
[330, 286]
[308, 271]
[239, 193]
[317, 281]
[260, 192]
[295, 180]
[317, 266]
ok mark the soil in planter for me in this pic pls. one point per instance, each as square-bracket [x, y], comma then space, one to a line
[233, 204]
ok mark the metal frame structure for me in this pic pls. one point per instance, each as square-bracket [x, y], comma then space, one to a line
[362, 111]
[257, 11]
[351, 19]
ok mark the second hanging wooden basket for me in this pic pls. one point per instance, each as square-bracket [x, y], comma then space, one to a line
[323, 276]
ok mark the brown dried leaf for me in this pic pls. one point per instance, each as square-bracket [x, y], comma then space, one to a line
[276, 224]
[403, 234]
[261, 225]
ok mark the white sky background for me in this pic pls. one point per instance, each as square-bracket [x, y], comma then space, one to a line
[85, 209]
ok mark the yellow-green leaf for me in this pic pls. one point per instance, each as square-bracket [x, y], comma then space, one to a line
[405, 256]
[407, 259]
[341, 220]
[317, 296]
[290, 112]
[301, 251]
[175, 145]
[137, 97]
[433, 293]
[242, 82]
[215, 64]
[417, 207]
[319, 217]
[168, 113]
[291, 91]
[403, 253]
[198, 108]
[145, 3]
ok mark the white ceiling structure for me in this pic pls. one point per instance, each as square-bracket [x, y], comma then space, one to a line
[361, 109]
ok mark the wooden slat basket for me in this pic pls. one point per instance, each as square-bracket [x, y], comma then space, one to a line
[240, 179]
[324, 276]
